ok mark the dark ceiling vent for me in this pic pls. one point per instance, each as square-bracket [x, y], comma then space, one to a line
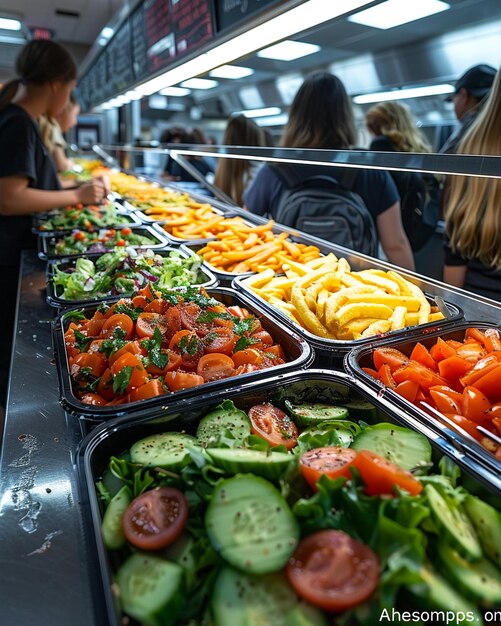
[67, 13]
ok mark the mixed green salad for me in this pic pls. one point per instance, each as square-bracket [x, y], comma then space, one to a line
[83, 217]
[123, 271]
[296, 513]
[79, 241]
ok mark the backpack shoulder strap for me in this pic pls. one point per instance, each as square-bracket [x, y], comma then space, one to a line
[347, 177]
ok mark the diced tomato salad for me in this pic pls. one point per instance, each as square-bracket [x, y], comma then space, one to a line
[161, 342]
[461, 379]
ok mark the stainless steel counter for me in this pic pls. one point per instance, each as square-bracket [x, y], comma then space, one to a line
[43, 573]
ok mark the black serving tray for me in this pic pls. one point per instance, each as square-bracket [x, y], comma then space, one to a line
[124, 218]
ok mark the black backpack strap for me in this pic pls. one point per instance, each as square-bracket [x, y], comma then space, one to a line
[348, 177]
[292, 175]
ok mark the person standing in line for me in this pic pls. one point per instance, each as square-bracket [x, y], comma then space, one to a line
[233, 176]
[321, 117]
[28, 179]
[473, 210]
[471, 89]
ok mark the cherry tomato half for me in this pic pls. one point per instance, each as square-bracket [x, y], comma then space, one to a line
[381, 476]
[156, 518]
[332, 461]
[215, 367]
[273, 425]
[332, 571]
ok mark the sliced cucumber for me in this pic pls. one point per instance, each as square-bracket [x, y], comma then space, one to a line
[270, 465]
[487, 523]
[480, 581]
[436, 593]
[182, 553]
[361, 410]
[401, 446]
[225, 417]
[453, 524]
[242, 600]
[250, 524]
[111, 527]
[310, 414]
[151, 589]
[166, 450]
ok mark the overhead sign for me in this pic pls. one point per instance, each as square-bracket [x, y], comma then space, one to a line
[229, 13]
[37, 32]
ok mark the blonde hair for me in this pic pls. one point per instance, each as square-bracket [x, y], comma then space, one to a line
[47, 125]
[233, 175]
[395, 121]
[473, 213]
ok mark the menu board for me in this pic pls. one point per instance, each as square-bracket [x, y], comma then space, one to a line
[229, 13]
[118, 59]
[192, 23]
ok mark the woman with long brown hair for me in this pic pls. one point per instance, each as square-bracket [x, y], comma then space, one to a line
[321, 116]
[473, 210]
[233, 176]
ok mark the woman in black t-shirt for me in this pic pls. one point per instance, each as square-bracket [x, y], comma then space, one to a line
[28, 179]
[473, 210]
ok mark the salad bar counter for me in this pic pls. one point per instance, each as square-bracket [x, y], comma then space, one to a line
[213, 421]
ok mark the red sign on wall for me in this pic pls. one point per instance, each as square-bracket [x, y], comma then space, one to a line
[41, 33]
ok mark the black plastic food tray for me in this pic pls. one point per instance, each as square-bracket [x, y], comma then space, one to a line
[46, 243]
[209, 280]
[114, 438]
[297, 351]
[362, 357]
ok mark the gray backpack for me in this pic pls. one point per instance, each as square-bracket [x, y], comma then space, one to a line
[325, 206]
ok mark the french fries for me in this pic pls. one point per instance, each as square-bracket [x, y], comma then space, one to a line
[325, 297]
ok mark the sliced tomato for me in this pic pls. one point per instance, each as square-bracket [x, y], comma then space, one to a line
[95, 324]
[117, 320]
[444, 402]
[384, 375]
[273, 425]
[371, 372]
[497, 424]
[452, 393]
[453, 367]
[190, 316]
[471, 351]
[441, 350]
[380, 476]
[453, 343]
[215, 366]
[148, 321]
[138, 376]
[245, 369]
[249, 356]
[85, 364]
[94, 346]
[177, 337]
[221, 340]
[466, 424]
[92, 398]
[476, 334]
[148, 292]
[331, 461]
[423, 376]
[408, 390]
[264, 339]
[189, 345]
[421, 354]
[481, 367]
[238, 311]
[332, 571]
[177, 380]
[277, 351]
[105, 385]
[151, 389]
[495, 411]
[156, 518]
[155, 306]
[390, 356]
[173, 317]
[476, 406]
[492, 340]
[132, 347]
[490, 384]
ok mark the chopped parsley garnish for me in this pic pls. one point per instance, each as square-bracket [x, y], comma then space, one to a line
[85, 373]
[270, 355]
[103, 308]
[154, 346]
[243, 343]
[128, 309]
[81, 340]
[117, 342]
[207, 317]
[75, 316]
[122, 379]
[244, 326]
[189, 346]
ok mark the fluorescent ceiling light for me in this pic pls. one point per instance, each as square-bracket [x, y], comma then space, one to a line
[175, 92]
[396, 12]
[123, 99]
[17, 40]
[231, 71]
[274, 120]
[403, 94]
[115, 102]
[7, 23]
[288, 50]
[260, 112]
[200, 83]
[107, 32]
[133, 95]
[296, 20]
[157, 102]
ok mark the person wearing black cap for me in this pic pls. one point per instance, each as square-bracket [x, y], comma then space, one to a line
[471, 89]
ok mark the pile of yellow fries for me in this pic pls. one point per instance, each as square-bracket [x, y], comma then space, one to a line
[325, 297]
[241, 248]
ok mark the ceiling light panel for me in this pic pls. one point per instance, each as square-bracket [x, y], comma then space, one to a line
[231, 71]
[175, 92]
[260, 112]
[288, 50]
[7, 23]
[273, 120]
[397, 12]
[404, 94]
[199, 83]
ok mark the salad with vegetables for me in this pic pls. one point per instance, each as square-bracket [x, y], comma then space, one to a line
[295, 514]
[123, 271]
[88, 218]
[79, 241]
[162, 341]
